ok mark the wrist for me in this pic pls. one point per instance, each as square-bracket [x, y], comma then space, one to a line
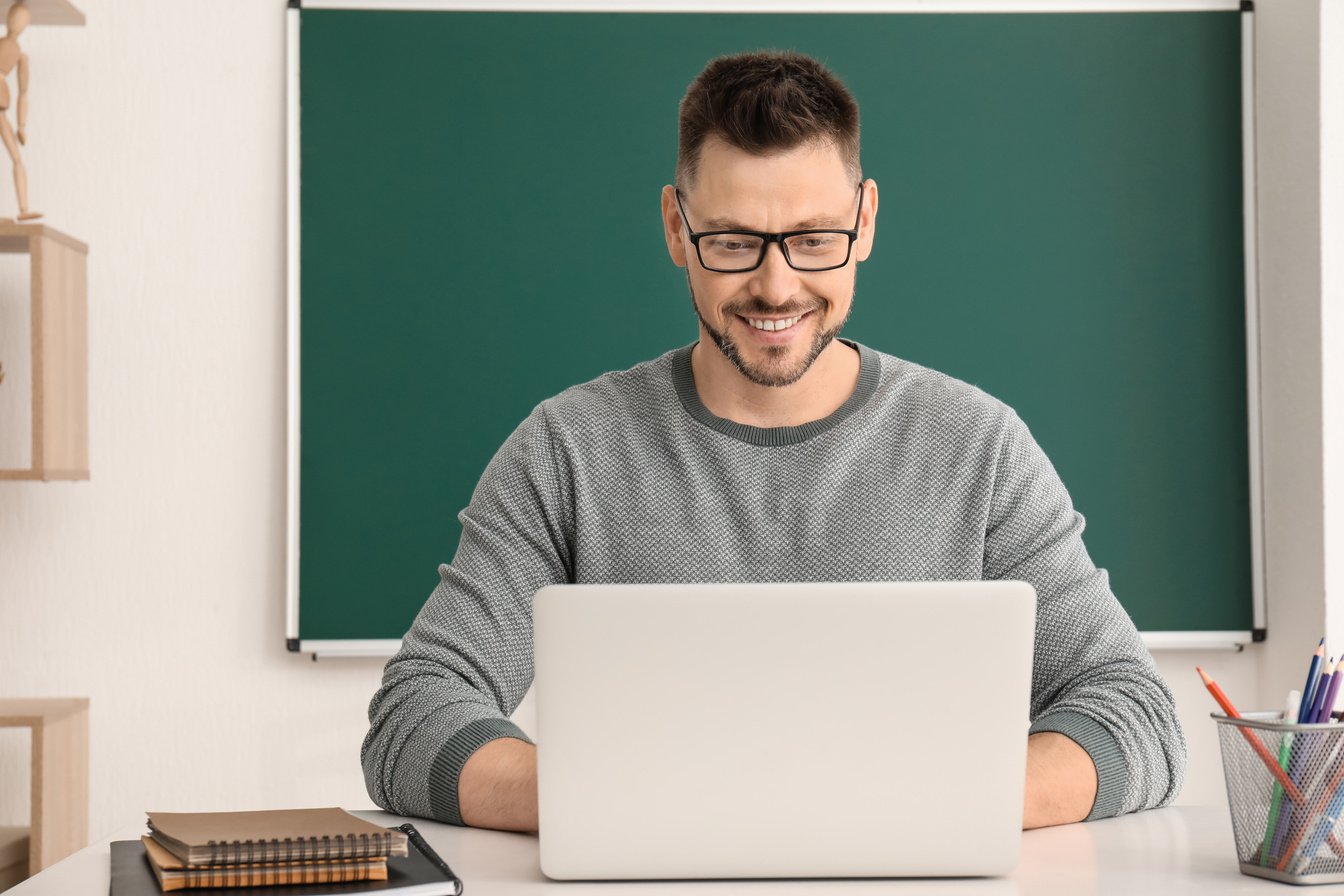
[1061, 783]
[498, 786]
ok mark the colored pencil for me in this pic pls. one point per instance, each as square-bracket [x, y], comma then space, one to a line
[1324, 751]
[1330, 793]
[1301, 744]
[1309, 689]
[1328, 704]
[1324, 825]
[1318, 695]
[1270, 762]
[1311, 760]
[1290, 711]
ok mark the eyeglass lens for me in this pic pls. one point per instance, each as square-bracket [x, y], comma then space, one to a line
[805, 251]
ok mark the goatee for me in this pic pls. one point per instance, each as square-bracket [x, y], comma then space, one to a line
[770, 374]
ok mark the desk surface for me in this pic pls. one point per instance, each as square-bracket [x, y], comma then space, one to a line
[1181, 850]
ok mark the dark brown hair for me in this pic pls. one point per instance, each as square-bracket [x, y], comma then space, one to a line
[766, 102]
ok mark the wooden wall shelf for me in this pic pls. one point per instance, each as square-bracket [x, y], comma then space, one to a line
[60, 353]
[60, 776]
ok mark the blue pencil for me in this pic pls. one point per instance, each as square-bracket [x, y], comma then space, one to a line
[1309, 689]
[1322, 685]
[1299, 747]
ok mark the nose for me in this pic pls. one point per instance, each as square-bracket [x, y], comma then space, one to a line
[774, 280]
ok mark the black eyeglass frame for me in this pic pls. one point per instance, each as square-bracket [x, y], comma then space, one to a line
[767, 239]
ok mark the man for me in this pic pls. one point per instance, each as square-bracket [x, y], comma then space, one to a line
[767, 451]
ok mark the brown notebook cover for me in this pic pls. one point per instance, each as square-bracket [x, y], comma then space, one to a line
[274, 835]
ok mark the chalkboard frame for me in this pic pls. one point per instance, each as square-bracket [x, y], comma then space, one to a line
[1154, 639]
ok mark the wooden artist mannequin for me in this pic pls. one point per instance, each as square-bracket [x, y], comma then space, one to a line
[10, 56]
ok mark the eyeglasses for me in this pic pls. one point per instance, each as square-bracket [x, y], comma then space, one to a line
[738, 251]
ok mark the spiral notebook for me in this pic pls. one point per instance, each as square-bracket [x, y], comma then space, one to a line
[273, 835]
[419, 872]
[174, 874]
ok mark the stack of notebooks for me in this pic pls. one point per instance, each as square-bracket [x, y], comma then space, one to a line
[285, 847]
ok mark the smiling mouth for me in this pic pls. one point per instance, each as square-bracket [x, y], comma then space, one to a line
[773, 325]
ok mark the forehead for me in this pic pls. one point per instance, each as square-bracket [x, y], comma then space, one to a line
[804, 182]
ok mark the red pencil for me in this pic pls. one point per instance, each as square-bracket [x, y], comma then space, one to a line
[1270, 762]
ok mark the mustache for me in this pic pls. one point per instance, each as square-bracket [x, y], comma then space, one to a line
[760, 308]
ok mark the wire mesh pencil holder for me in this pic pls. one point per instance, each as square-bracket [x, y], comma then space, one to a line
[1285, 790]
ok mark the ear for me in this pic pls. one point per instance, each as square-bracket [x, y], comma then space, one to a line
[673, 229]
[863, 246]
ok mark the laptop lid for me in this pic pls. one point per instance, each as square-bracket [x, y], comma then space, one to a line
[865, 729]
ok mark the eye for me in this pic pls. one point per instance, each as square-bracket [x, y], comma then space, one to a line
[730, 243]
[814, 243]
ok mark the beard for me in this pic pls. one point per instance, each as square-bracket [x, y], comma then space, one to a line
[774, 370]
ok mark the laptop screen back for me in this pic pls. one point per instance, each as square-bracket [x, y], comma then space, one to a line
[782, 730]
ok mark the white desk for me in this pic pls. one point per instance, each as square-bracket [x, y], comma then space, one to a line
[1167, 852]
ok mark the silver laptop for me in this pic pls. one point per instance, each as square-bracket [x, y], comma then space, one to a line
[864, 729]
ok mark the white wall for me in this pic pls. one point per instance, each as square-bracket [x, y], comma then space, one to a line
[156, 135]
[1332, 303]
[1288, 144]
[156, 589]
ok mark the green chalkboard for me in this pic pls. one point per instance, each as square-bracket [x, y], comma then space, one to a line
[1061, 224]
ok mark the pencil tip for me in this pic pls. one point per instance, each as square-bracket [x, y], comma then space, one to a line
[1202, 674]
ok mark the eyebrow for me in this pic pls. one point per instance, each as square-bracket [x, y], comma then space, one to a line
[823, 223]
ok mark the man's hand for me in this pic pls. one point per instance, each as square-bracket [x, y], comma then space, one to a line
[1061, 781]
[22, 138]
[498, 786]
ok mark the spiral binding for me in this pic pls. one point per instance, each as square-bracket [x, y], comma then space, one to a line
[299, 849]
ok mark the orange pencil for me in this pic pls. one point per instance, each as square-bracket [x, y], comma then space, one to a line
[1270, 762]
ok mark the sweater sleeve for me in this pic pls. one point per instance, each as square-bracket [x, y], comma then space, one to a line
[1093, 679]
[466, 662]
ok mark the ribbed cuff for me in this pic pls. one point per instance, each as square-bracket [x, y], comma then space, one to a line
[1112, 771]
[447, 766]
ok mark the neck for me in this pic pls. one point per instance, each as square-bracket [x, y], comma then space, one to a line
[820, 392]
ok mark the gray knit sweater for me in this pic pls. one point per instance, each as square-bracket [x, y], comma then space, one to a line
[630, 478]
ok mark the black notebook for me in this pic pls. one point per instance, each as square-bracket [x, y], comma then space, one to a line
[420, 873]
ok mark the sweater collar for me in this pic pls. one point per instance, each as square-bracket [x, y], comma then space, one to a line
[684, 381]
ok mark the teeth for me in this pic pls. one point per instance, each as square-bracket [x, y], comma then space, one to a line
[774, 324]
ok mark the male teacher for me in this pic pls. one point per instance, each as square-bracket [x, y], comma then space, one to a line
[769, 450]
